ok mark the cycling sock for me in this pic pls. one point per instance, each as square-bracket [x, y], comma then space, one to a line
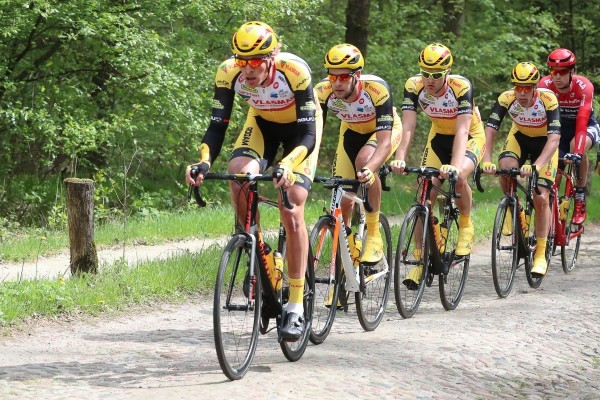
[464, 221]
[372, 219]
[296, 294]
[540, 250]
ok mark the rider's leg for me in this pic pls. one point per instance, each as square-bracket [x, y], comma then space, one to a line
[542, 227]
[238, 197]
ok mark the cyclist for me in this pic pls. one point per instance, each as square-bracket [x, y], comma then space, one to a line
[534, 135]
[282, 111]
[456, 140]
[370, 132]
[578, 125]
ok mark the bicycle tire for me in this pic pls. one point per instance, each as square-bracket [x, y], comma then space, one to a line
[452, 284]
[409, 255]
[371, 301]
[326, 286]
[570, 250]
[293, 351]
[504, 249]
[534, 281]
[236, 317]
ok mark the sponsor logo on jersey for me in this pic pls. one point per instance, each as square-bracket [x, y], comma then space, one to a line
[246, 137]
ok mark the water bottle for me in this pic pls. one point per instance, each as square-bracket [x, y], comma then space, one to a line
[273, 272]
[563, 208]
[357, 249]
[524, 218]
[276, 274]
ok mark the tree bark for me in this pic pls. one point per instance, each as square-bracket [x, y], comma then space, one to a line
[454, 10]
[357, 24]
[80, 211]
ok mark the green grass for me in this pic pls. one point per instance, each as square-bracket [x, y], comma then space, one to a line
[191, 274]
[113, 290]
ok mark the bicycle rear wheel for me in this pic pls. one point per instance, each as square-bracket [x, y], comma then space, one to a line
[412, 260]
[326, 283]
[452, 284]
[293, 351]
[375, 282]
[570, 250]
[504, 248]
[236, 309]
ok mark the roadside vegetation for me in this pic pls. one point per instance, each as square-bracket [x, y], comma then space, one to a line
[120, 287]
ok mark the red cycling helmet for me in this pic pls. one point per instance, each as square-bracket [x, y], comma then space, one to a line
[561, 58]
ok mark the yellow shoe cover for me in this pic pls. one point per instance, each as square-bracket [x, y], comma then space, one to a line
[373, 251]
[413, 278]
[465, 240]
[330, 297]
[540, 266]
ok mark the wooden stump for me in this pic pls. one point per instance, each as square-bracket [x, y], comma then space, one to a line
[80, 210]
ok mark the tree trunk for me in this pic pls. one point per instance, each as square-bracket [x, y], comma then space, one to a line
[454, 10]
[80, 210]
[357, 24]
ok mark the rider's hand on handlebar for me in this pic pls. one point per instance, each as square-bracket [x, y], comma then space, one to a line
[447, 169]
[286, 178]
[194, 173]
[573, 158]
[527, 169]
[366, 176]
[398, 166]
[488, 167]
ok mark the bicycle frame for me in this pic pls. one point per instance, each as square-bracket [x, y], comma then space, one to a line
[273, 306]
[339, 232]
[439, 261]
[564, 230]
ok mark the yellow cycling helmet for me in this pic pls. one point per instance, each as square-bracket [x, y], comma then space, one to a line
[344, 56]
[525, 73]
[435, 56]
[253, 39]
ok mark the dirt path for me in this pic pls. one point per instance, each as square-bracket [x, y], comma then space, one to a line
[535, 344]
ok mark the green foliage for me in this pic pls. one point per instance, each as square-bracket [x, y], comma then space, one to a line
[121, 92]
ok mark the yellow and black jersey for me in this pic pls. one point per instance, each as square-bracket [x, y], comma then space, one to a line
[371, 112]
[542, 118]
[445, 108]
[288, 98]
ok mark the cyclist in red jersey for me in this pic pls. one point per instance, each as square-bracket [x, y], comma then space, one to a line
[579, 128]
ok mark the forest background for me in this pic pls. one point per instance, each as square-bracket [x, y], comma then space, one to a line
[121, 91]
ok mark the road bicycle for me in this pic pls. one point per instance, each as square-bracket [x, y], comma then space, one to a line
[246, 298]
[338, 270]
[513, 237]
[426, 246]
[568, 235]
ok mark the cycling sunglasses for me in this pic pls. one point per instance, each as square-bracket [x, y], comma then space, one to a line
[559, 71]
[523, 89]
[252, 62]
[341, 77]
[434, 75]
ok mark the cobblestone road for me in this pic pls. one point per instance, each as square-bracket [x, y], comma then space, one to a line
[535, 344]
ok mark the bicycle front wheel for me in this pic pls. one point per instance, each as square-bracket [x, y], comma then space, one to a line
[570, 250]
[375, 282]
[293, 351]
[411, 266]
[504, 248]
[453, 280]
[326, 280]
[236, 308]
